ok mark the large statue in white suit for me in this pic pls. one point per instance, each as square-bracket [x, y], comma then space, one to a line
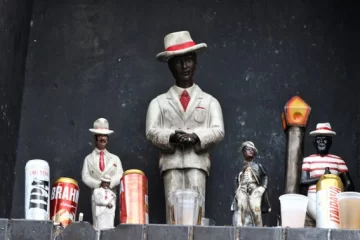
[101, 162]
[105, 201]
[184, 122]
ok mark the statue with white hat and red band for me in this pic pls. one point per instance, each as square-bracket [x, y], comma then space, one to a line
[313, 166]
[101, 162]
[105, 201]
[184, 122]
[251, 198]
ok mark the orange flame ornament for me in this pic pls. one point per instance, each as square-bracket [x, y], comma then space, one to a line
[296, 113]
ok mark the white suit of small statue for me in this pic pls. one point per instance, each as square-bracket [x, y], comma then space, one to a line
[185, 122]
[105, 205]
[101, 162]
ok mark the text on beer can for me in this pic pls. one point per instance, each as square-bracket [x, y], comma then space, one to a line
[37, 177]
[64, 200]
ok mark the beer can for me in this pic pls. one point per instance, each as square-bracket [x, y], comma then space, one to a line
[134, 206]
[37, 185]
[64, 201]
[327, 208]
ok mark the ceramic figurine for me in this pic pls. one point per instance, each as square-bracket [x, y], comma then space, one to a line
[251, 199]
[105, 201]
[183, 122]
[313, 166]
[101, 162]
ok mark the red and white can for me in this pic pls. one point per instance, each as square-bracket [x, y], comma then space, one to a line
[37, 184]
[64, 201]
[134, 206]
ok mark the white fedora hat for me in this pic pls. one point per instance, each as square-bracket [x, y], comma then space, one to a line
[105, 178]
[323, 129]
[178, 43]
[101, 126]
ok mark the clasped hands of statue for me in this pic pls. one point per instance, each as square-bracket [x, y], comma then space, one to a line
[183, 138]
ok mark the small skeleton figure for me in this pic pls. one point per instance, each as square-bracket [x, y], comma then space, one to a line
[105, 201]
[251, 198]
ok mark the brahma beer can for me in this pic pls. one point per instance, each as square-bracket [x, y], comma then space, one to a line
[327, 208]
[64, 201]
[37, 178]
[134, 207]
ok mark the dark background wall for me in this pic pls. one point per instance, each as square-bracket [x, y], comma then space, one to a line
[14, 32]
[91, 59]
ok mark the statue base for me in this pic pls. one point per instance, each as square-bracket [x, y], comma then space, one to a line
[15, 229]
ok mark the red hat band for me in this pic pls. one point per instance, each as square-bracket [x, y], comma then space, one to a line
[180, 46]
[324, 128]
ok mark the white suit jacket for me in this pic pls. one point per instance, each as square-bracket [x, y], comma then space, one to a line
[101, 202]
[91, 173]
[203, 117]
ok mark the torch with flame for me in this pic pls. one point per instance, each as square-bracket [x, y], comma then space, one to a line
[294, 120]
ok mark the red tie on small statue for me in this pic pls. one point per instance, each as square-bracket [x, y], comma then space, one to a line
[185, 99]
[101, 161]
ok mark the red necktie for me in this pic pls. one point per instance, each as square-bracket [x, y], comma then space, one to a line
[101, 162]
[185, 99]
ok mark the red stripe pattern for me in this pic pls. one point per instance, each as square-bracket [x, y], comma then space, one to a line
[180, 46]
[316, 164]
[324, 128]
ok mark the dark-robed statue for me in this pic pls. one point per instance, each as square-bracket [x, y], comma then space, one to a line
[251, 198]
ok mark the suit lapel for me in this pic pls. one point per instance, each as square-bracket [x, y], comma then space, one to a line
[95, 162]
[253, 166]
[109, 161]
[195, 99]
[175, 102]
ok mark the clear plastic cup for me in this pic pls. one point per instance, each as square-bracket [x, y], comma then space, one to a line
[186, 204]
[207, 222]
[293, 210]
[349, 210]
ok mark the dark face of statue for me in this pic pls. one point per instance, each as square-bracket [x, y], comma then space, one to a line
[105, 184]
[183, 69]
[101, 141]
[322, 144]
[249, 153]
